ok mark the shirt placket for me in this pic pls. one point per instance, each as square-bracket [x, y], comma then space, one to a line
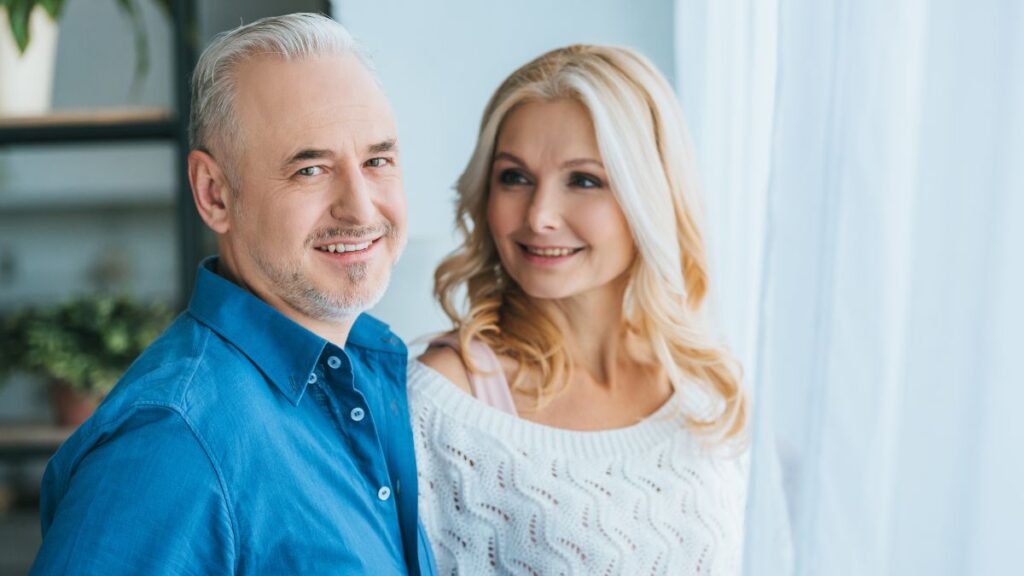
[335, 375]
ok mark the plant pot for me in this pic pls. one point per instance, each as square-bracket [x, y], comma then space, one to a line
[26, 80]
[70, 407]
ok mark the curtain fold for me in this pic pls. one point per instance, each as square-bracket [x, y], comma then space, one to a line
[864, 184]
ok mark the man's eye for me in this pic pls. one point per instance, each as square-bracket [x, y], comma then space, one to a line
[585, 181]
[311, 171]
[512, 178]
[378, 162]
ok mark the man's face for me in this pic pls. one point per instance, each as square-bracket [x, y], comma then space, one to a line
[319, 218]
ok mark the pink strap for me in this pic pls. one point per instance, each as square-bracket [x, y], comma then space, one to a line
[490, 385]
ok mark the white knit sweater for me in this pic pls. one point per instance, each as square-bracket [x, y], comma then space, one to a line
[502, 495]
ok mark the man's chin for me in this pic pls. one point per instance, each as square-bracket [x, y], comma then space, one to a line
[352, 303]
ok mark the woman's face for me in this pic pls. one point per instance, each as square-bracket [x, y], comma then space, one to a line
[557, 226]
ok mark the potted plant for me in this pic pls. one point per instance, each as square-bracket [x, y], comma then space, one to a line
[26, 75]
[80, 347]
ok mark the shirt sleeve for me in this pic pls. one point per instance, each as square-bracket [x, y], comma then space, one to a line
[143, 498]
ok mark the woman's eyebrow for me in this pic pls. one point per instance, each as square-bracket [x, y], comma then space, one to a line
[510, 157]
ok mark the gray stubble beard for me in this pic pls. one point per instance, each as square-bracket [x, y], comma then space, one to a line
[302, 295]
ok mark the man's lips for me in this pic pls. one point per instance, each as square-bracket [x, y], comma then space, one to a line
[348, 245]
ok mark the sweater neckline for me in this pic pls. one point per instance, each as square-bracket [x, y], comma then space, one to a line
[666, 422]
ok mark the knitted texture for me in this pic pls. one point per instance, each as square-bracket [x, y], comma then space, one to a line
[502, 495]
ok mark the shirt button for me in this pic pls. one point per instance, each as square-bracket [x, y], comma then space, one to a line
[312, 379]
[357, 414]
[384, 493]
[334, 362]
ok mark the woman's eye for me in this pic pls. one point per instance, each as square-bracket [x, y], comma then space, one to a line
[377, 162]
[311, 171]
[512, 178]
[585, 181]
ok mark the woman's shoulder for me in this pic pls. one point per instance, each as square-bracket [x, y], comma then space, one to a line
[448, 363]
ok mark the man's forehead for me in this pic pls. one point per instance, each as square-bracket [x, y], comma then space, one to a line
[334, 127]
[307, 99]
[270, 85]
[361, 116]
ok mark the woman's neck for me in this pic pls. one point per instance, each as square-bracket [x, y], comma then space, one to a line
[592, 325]
[616, 389]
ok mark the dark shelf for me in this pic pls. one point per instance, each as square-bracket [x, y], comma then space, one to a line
[31, 440]
[90, 126]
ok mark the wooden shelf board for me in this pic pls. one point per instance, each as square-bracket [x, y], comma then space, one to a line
[96, 117]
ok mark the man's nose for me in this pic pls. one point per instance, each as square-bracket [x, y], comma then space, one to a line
[353, 197]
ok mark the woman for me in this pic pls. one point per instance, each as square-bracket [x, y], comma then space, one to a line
[578, 420]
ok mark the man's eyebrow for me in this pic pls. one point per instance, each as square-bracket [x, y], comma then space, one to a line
[385, 146]
[308, 154]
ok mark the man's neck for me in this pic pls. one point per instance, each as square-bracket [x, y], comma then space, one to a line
[334, 331]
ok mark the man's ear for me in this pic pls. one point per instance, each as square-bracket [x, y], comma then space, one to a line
[210, 190]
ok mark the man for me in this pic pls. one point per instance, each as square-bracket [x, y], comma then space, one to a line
[266, 432]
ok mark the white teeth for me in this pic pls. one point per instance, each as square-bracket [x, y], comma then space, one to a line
[346, 247]
[550, 252]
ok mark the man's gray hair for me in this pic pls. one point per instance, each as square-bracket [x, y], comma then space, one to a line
[213, 121]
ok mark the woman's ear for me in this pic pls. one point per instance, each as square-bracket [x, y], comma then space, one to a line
[210, 190]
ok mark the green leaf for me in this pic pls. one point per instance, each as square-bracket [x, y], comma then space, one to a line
[167, 6]
[141, 42]
[87, 342]
[18, 11]
[53, 7]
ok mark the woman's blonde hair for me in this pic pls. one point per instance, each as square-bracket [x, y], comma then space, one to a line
[646, 151]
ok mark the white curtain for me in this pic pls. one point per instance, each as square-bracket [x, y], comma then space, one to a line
[864, 172]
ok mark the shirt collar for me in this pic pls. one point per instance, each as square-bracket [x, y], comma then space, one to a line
[284, 351]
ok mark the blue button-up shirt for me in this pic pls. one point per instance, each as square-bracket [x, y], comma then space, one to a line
[242, 443]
